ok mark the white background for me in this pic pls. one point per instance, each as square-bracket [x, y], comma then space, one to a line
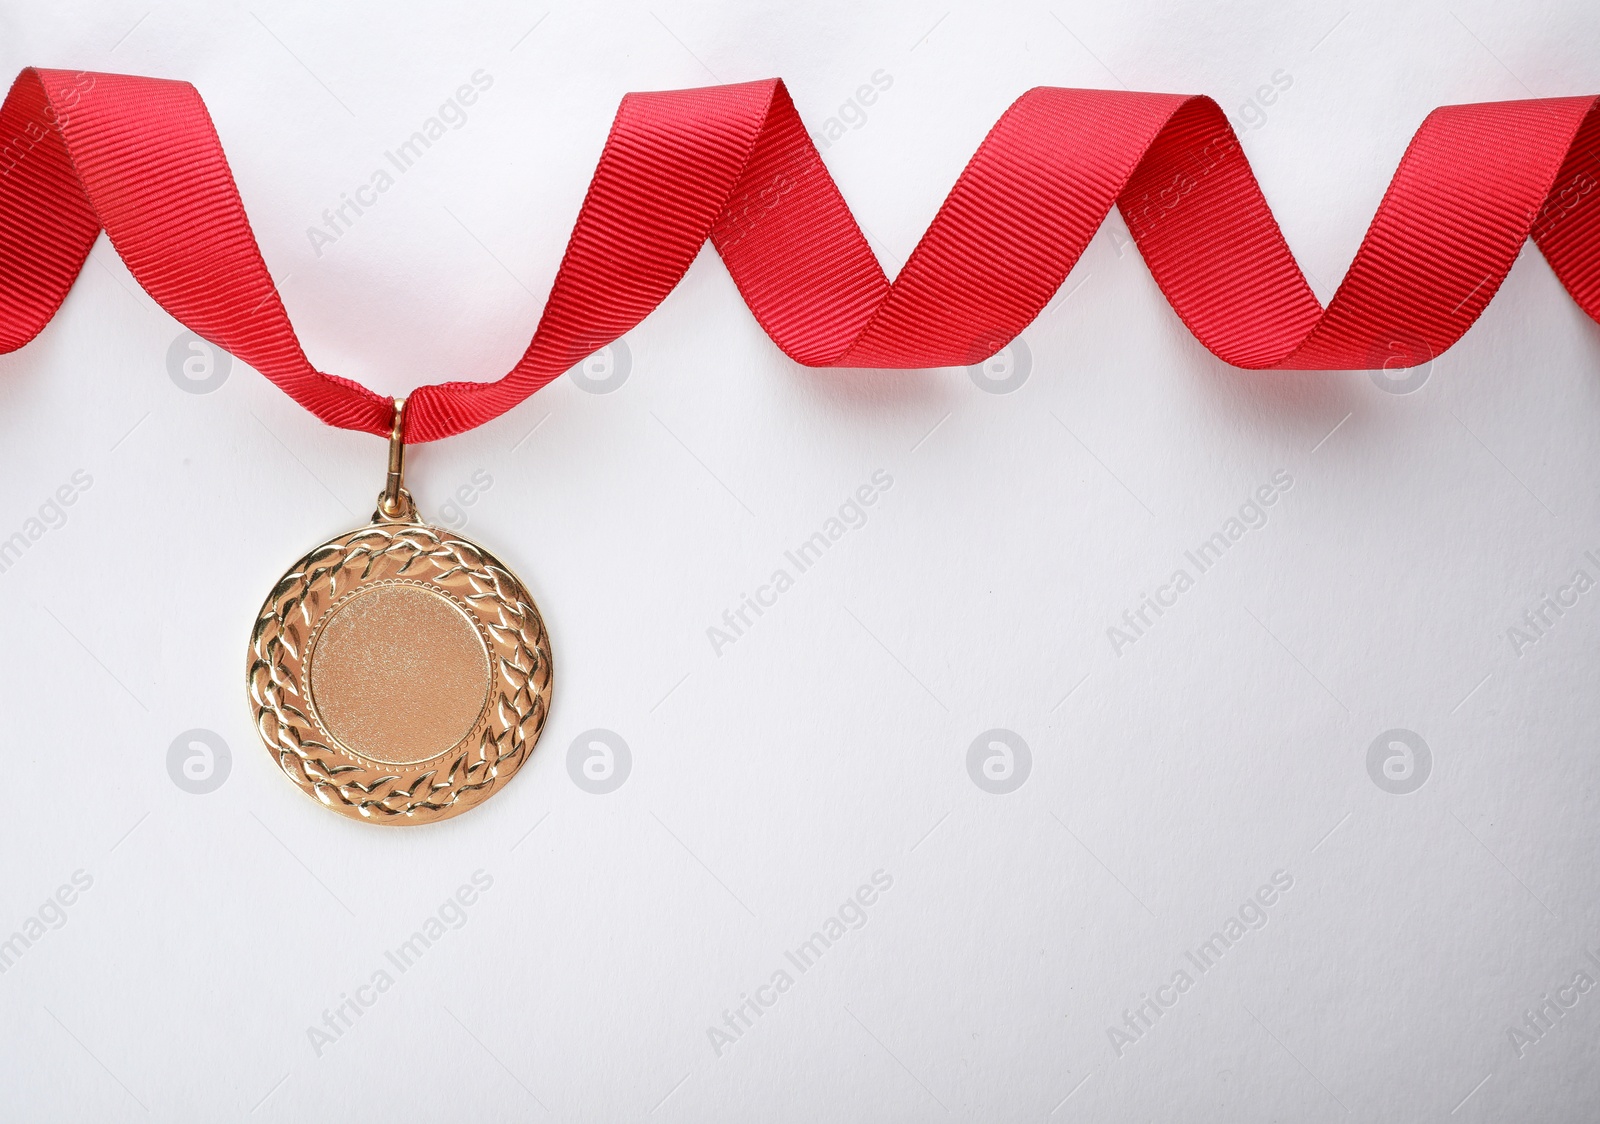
[770, 781]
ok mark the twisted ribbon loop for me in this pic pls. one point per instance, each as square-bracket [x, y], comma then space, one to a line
[140, 158]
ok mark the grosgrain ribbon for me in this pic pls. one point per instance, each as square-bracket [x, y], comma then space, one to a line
[139, 157]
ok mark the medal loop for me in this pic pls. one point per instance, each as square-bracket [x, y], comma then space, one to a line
[395, 504]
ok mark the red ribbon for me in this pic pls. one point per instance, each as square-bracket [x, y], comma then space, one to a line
[139, 157]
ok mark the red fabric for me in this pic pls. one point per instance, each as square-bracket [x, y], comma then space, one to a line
[140, 158]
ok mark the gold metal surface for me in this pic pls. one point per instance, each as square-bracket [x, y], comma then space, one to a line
[399, 673]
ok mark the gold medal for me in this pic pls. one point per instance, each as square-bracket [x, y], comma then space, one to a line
[399, 673]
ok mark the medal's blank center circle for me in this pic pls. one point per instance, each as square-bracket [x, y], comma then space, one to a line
[399, 674]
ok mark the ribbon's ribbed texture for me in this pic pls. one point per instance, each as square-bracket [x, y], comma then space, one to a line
[139, 157]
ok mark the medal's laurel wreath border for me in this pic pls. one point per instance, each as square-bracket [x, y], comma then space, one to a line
[519, 658]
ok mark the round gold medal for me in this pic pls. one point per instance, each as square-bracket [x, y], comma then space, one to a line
[399, 673]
